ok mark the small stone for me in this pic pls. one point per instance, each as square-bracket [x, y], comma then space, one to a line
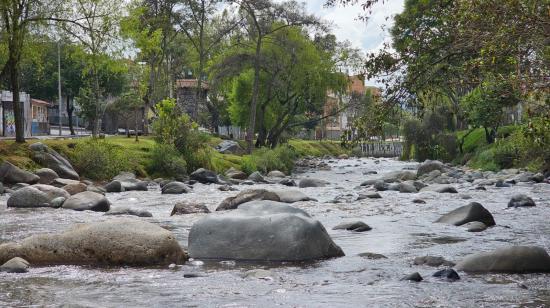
[413, 277]
[448, 273]
[372, 256]
[475, 226]
[356, 226]
[432, 261]
[521, 200]
[15, 265]
[419, 201]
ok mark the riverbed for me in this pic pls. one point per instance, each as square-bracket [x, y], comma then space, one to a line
[401, 231]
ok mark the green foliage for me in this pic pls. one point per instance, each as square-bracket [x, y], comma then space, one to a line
[99, 159]
[165, 160]
[484, 106]
[264, 160]
[173, 127]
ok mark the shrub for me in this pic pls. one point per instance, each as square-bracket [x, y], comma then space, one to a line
[264, 160]
[100, 160]
[166, 161]
[173, 127]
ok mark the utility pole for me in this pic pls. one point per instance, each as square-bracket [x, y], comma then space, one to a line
[59, 82]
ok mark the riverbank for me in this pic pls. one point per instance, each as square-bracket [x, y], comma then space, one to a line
[112, 155]
[511, 149]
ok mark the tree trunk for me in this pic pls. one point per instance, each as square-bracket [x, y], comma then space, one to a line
[70, 110]
[136, 123]
[262, 131]
[17, 108]
[255, 90]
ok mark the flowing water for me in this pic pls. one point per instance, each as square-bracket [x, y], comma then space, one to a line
[402, 230]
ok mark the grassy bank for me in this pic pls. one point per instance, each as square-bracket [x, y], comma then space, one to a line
[102, 159]
[510, 150]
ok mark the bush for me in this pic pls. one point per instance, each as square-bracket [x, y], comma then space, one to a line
[174, 128]
[448, 144]
[166, 161]
[100, 160]
[264, 160]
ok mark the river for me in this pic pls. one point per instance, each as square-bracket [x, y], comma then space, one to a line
[402, 230]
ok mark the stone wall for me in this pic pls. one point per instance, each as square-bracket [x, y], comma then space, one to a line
[382, 149]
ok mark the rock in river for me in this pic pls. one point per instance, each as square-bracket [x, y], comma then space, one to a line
[175, 188]
[448, 274]
[413, 277]
[183, 208]
[515, 259]
[232, 203]
[312, 183]
[15, 265]
[468, 213]
[261, 230]
[521, 200]
[356, 226]
[204, 176]
[45, 156]
[87, 201]
[128, 211]
[46, 175]
[429, 166]
[36, 196]
[113, 242]
[11, 174]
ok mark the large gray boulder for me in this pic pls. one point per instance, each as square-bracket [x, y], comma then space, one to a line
[256, 177]
[468, 213]
[87, 201]
[262, 231]
[47, 157]
[204, 176]
[230, 147]
[113, 242]
[38, 195]
[515, 259]
[429, 166]
[304, 183]
[47, 175]
[11, 174]
[248, 195]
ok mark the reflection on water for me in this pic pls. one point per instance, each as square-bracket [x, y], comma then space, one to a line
[402, 230]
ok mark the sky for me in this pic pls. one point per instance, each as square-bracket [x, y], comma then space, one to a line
[368, 36]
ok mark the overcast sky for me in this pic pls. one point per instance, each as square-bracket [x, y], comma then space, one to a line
[368, 36]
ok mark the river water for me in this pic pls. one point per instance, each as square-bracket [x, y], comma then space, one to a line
[402, 230]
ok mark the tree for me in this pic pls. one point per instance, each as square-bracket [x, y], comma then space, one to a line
[205, 33]
[484, 105]
[16, 18]
[150, 24]
[261, 16]
[96, 30]
[39, 71]
[294, 78]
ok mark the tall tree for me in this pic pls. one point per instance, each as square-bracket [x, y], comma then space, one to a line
[16, 17]
[96, 29]
[262, 15]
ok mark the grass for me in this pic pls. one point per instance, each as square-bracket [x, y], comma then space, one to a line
[140, 153]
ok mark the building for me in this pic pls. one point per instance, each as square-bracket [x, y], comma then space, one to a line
[39, 117]
[340, 110]
[186, 92]
[7, 115]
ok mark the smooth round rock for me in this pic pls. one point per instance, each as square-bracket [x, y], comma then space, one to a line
[261, 231]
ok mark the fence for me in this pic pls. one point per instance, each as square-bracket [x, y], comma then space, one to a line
[382, 149]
